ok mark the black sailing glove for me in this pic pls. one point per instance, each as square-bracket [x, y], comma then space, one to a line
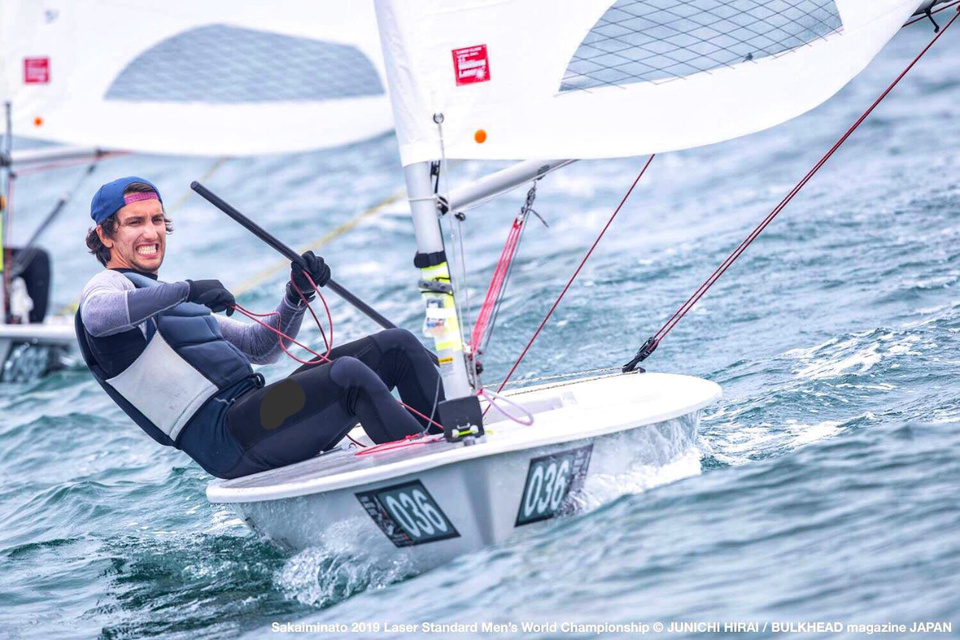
[319, 273]
[212, 294]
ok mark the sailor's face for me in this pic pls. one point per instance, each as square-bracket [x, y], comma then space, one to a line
[140, 239]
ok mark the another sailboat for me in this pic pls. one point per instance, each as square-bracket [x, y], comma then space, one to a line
[520, 79]
[214, 78]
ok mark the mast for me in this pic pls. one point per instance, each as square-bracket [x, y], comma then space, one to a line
[441, 321]
[4, 201]
[460, 413]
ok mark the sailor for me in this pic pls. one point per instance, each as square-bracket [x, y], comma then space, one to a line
[29, 284]
[184, 375]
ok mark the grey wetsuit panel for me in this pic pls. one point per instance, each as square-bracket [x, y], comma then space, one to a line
[111, 304]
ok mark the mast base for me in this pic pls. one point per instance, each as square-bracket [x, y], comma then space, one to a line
[461, 418]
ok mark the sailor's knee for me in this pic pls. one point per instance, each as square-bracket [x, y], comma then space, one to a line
[398, 338]
[350, 372]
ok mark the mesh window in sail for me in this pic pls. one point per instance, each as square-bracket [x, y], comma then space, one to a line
[220, 64]
[662, 40]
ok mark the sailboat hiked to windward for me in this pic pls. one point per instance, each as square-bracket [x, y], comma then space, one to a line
[522, 79]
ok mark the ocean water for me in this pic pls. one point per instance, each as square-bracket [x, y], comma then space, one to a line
[826, 484]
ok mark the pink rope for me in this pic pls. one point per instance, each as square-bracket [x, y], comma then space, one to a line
[328, 345]
[574, 276]
[281, 336]
[409, 441]
[496, 283]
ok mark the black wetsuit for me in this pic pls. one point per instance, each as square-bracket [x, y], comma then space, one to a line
[313, 409]
[251, 427]
[34, 267]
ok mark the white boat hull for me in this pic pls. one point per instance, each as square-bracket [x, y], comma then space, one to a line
[427, 504]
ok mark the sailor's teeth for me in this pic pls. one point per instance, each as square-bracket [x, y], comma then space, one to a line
[147, 249]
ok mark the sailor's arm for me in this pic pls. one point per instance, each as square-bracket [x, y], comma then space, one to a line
[108, 307]
[259, 344]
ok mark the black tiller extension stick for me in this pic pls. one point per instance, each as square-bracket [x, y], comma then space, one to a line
[289, 254]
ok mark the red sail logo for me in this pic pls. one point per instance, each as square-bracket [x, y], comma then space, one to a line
[36, 70]
[470, 64]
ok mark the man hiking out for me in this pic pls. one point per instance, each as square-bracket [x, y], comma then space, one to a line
[184, 374]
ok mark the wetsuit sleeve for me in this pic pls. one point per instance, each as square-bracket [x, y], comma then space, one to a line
[258, 343]
[108, 307]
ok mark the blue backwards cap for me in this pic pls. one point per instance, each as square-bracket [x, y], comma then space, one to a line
[109, 198]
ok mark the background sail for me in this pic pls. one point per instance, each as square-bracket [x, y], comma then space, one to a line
[518, 79]
[209, 77]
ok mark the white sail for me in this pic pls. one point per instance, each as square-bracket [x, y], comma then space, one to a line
[517, 79]
[207, 77]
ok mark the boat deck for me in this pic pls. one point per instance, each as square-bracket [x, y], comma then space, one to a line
[563, 412]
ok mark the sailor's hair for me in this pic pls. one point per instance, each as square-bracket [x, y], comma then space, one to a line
[138, 187]
[109, 226]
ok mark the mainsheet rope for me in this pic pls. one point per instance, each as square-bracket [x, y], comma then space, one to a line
[412, 440]
[651, 344]
[320, 358]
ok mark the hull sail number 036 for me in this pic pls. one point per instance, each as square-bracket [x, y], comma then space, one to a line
[407, 514]
[550, 479]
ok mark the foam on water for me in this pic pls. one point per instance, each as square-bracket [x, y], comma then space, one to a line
[653, 456]
[349, 560]
[856, 355]
[340, 567]
[602, 489]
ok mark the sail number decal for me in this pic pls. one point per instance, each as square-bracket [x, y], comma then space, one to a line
[407, 514]
[471, 65]
[550, 479]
